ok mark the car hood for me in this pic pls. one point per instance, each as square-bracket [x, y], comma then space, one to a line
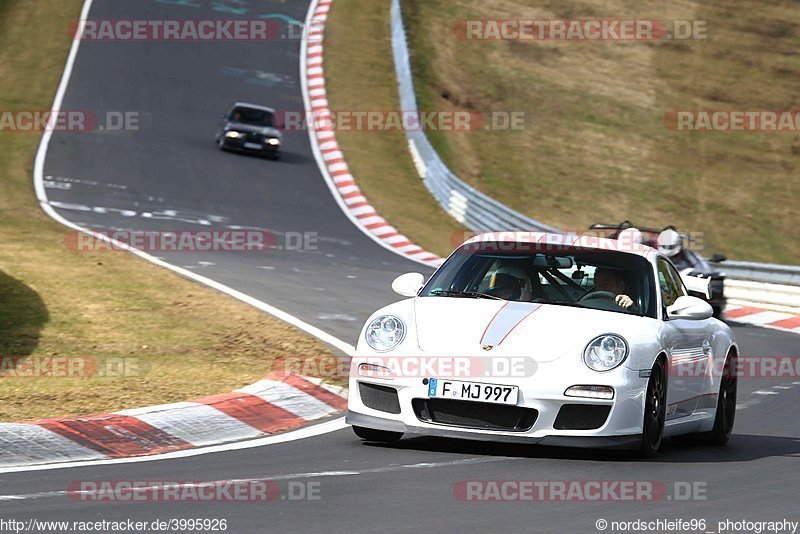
[242, 127]
[544, 332]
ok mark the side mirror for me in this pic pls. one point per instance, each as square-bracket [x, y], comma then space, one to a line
[718, 258]
[691, 308]
[409, 284]
[696, 284]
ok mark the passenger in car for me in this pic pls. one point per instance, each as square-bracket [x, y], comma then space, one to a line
[510, 283]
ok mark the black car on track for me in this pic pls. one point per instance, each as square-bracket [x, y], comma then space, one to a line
[250, 128]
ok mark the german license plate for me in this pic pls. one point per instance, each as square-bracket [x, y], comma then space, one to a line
[252, 146]
[472, 391]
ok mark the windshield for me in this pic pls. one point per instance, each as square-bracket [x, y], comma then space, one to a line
[252, 116]
[526, 272]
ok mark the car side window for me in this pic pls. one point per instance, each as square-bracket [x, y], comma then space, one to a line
[669, 289]
[676, 277]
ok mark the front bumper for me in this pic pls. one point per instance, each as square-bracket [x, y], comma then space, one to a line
[238, 145]
[623, 441]
[543, 392]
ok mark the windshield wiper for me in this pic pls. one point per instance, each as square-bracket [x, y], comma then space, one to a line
[468, 294]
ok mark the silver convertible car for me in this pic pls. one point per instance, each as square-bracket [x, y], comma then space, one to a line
[547, 338]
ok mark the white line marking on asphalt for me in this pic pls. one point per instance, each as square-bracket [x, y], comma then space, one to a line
[292, 476]
[302, 433]
[336, 317]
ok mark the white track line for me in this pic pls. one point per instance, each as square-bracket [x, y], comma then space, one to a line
[293, 476]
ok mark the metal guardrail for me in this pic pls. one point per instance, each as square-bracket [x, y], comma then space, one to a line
[479, 212]
[473, 209]
[776, 297]
[770, 273]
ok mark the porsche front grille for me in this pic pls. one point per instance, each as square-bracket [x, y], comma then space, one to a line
[479, 415]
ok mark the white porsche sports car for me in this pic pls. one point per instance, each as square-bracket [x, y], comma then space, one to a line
[551, 339]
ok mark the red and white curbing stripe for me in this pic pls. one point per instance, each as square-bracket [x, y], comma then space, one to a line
[278, 403]
[330, 157]
[767, 318]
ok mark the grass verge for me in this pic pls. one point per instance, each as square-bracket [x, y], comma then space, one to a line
[595, 146]
[179, 340]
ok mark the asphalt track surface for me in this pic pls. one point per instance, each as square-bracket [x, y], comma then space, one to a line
[173, 165]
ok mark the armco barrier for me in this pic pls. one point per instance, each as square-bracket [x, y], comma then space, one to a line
[479, 212]
[776, 297]
[769, 273]
[467, 205]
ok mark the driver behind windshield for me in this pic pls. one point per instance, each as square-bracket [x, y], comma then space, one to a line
[613, 282]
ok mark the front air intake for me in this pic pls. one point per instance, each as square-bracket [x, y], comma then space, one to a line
[381, 398]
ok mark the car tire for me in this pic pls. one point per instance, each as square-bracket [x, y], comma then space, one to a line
[725, 415]
[371, 434]
[655, 411]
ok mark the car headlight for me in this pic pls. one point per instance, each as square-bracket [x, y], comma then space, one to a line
[233, 135]
[385, 333]
[605, 352]
[273, 141]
